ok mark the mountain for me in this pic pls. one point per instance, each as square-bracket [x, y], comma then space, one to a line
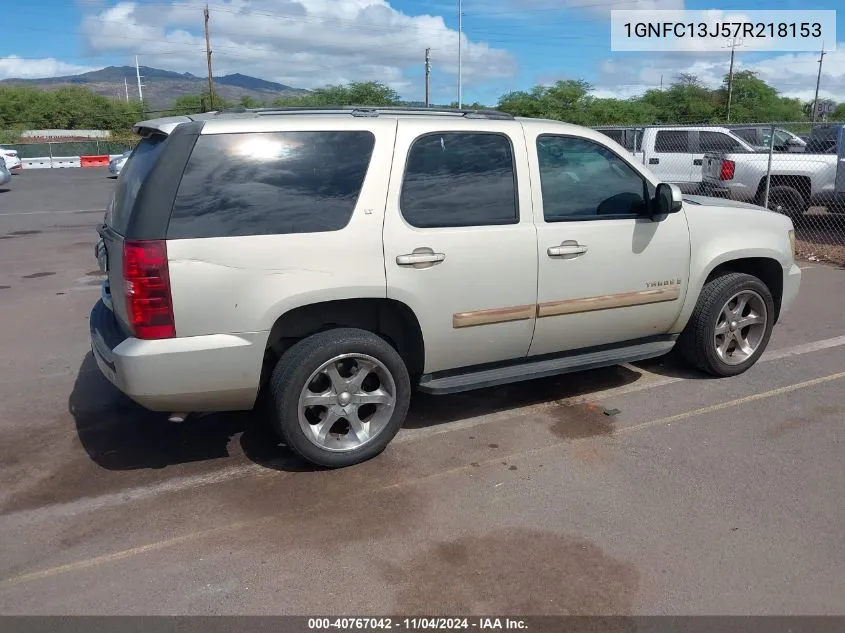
[162, 87]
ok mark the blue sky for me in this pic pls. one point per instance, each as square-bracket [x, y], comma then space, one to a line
[509, 44]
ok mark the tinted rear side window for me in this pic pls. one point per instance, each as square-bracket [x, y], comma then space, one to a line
[459, 179]
[717, 142]
[271, 183]
[132, 176]
[671, 141]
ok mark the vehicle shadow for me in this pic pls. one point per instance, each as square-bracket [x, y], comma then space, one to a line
[428, 410]
[117, 434]
[671, 366]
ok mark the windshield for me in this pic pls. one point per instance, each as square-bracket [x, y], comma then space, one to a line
[131, 178]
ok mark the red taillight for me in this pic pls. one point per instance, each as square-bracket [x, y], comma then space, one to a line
[146, 281]
[727, 172]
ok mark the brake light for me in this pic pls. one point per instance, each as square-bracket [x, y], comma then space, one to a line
[146, 280]
[727, 171]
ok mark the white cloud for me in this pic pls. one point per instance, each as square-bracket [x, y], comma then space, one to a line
[296, 42]
[792, 74]
[14, 67]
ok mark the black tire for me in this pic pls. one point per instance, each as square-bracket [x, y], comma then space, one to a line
[695, 344]
[296, 366]
[785, 200]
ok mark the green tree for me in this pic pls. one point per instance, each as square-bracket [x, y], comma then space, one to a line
[753, 100]
[195, 104]
[248, 102]
[68, 107]
[564, 101]
[371, 93]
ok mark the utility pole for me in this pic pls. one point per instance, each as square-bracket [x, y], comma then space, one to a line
[661, 83]
[731, 80]
[126, 88]
[818, 81]
[427, 76]
[460, 44]
[208, 58]
[138, 75]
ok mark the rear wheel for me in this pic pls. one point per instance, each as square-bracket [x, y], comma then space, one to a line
[786, 200]
[730, 326]
[339, 397]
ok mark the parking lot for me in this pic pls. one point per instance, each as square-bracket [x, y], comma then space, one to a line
[699, 496]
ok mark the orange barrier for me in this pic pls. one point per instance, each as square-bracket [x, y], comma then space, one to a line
[94, 161]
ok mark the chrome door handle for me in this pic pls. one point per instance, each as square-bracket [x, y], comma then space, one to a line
[412, 259]
[569, 250]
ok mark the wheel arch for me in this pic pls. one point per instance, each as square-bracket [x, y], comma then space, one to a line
[391, 319]
[765, 264]
[802, 184]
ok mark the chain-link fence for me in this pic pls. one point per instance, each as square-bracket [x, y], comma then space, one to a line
[69, 148]
[795, 168]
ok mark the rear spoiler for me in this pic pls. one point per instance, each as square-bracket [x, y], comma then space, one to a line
[166, 125]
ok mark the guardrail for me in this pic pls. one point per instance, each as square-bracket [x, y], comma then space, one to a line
[64, 162]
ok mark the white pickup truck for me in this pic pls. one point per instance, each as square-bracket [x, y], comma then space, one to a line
[675, 154]
[797, 181]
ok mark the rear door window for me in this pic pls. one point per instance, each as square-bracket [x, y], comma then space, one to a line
[718, 142]
[672, 142]
[271, 183]
[132, 176]
[460, 179]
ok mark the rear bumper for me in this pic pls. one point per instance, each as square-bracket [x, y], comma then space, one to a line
[731, 191]
[791, 285]
[218, 372]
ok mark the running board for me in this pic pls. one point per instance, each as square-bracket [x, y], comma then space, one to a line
[530, 368]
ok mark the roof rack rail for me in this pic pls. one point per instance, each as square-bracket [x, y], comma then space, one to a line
[371, 111]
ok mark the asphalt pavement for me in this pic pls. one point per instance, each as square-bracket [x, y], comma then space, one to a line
[699, 496]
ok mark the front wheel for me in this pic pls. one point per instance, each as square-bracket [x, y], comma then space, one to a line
[730, 326]
[339, 397]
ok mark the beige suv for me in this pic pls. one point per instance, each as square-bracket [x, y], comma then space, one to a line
[333, 260]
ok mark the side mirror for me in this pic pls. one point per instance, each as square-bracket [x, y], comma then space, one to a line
[668, 199]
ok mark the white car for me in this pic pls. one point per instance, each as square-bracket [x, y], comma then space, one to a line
[5, 175]
[335, 260]
[13, 161]
[117, 163]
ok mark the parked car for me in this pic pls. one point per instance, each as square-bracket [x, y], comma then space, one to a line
[13, 161]
[825, 139]
[629, 137]
[327, 262]
[117, 163]
[761, 136]
[675, 154]
[797, 181]
[5, 174]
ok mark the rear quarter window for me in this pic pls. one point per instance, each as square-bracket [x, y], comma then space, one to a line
[271, 183]
[132, 177]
